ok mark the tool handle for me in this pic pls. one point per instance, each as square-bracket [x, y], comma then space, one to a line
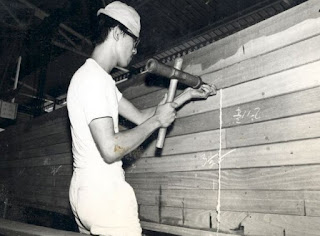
[155, 67]
[171, 94]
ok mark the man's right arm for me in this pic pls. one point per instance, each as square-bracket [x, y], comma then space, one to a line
[113, 146]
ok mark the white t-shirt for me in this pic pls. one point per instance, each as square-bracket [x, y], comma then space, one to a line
[92, 94]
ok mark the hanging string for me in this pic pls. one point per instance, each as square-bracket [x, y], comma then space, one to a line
[218, 219]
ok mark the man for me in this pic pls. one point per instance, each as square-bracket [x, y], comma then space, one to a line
[102, 201]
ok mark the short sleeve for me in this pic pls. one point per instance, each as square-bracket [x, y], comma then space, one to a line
[119, 94]
[99, 99]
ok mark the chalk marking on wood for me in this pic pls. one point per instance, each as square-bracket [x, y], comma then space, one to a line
[132, 167]
[210, 160]
[219, 169]
[46, 161]
[253, 114]
[54, 170]
[20, 173]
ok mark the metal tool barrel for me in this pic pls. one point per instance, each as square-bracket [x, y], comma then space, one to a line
[155, 67]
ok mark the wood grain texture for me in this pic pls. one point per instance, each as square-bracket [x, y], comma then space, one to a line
[21, 144]
[194, 218]
[38, 152]
[247, 66]
[247, 135]
[301, 102]
[46, 160]
[254, 47]
[272, 178]
[266, 224]
[303, 152]
[283, 130]
[273, 202]
[273, 85]
[284, 82]
[179, 230]
[38, 123]
[187, 143]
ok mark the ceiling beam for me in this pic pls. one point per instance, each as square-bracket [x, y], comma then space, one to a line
[41, 15]
[10, 12]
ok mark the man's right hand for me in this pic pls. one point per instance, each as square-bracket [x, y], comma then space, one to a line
[165, 113]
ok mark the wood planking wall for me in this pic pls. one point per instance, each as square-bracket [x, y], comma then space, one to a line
[36, 163]
[270, 180]
[269, 76]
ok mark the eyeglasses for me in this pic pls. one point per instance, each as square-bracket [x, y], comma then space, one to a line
[136, 40]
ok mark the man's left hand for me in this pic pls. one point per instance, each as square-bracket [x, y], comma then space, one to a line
[203, 92]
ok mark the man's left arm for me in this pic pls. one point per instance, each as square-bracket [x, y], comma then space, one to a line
[130, 112]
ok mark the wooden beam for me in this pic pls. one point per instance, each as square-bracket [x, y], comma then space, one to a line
[265, 224]
[262, 201]
[201, 62]
[11, 13]
[284, 130]
[269, 178]
[287, 81]
[179, 230]
[271, 155]
[12, 228]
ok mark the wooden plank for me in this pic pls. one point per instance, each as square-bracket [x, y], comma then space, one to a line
[194, 218]
[229, 221]
[179, 230]
[271, 178]
[64, 211]
[294, 24]
[44, 200]
[49, 181]
[291, 56]
[252, 223]
[278, 131]
[260, 224]
[292, 128]
[290, 153]
[13, 228]
[45, 151]
[312, 204]
[247, 70]
[273, 202]
[49, 160]
[26, 140]
[187, 143]
[40, 142]
[44, 171]
[273, 85]
[149, 213]
[38, 123]
[187, 217]
[302, 102]
[30, 190]
[286, 82]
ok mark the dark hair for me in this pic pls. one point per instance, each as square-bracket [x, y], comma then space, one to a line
[103, 26]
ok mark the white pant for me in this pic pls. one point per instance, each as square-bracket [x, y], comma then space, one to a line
[104, 207]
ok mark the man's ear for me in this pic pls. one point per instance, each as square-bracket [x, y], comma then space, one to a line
[117, 33]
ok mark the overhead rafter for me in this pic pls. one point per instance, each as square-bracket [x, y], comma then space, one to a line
[83, 40]
[10, 13]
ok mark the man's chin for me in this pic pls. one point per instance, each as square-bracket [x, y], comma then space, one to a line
[123, 65]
